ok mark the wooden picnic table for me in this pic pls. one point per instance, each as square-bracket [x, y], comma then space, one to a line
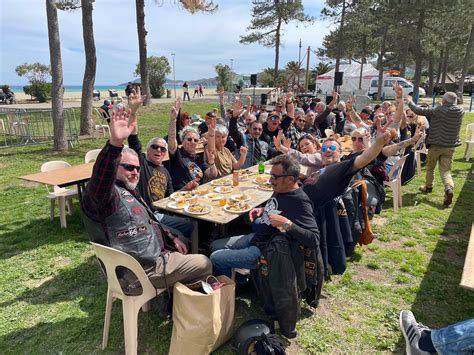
[467, 279]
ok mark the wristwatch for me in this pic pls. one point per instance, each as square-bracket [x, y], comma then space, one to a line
[286, 226]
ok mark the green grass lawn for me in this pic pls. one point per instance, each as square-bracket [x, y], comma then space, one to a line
[52, 294]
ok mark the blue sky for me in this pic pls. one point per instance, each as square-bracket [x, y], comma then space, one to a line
[200, 41]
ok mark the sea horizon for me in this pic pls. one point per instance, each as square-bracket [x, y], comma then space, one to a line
[101, 88]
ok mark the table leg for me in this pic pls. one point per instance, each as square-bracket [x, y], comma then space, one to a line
[195, 237]
[62, 211]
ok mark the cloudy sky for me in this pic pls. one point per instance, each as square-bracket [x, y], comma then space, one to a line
[200, 41]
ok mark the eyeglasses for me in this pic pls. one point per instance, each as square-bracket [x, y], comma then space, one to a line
[325, 148]
[360, 139]
[411, 116]
[275, 118]
[302, 120]
[158, 147]
[194, 140]
[276, 176]
[130, 167]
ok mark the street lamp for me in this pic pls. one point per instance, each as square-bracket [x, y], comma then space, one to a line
[231, 75]
[174, 77]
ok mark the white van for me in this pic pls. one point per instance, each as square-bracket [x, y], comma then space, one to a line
[387, 88]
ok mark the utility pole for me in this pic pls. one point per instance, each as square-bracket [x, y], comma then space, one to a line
[174, 76]
[306, 81]
[299, 64]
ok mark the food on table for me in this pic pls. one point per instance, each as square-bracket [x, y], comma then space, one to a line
[223, 189]
[202, 191]
[262, 178]
[240, 197]
[222, 182]
[247, 172]
[180, 202]
[197, 208]
[237, 206]
[182, 194]
[214, 196]
[265, 186]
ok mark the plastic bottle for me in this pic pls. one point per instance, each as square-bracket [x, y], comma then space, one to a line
[235, 178]
[261, 167]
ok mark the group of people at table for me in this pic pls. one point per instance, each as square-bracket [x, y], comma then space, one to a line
[118, 202]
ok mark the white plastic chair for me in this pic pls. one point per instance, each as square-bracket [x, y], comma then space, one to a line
[239, 271]
[91, 155]
[60, 194]
[395, 182]
[420, 148]
[111, 259]
[469, 140]
[100, 124]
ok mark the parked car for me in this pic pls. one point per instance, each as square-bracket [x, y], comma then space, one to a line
[387, 88]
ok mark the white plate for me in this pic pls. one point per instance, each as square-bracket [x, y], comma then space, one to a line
[172, 204]
[221, 182]
[267, 178]
[226, 208]
[198, 213]
[236, 197]
[223, 191]
[181, 193]
[264, 188]
[213, 196]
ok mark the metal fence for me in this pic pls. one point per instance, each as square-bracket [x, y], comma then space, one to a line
[21, 127]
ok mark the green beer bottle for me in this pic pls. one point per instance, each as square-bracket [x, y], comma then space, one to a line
[261, 166]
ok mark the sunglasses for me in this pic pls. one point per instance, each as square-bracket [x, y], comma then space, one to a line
[194, 140]
[325, 148]
[360, 139]
[411, 116]
[301, 120]
[158, 147]
[130, 167]
[276, 176]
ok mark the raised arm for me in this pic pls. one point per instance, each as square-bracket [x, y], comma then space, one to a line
[221, 101]
[423, 111]
[233, 129]
[211, 135]
[172, 142]
[371, 153]
[393, 149]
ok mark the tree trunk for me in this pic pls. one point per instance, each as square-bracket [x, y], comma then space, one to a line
[430, 73]
[57, 90]
[364, 44]
[445, 67]
[403, 67]
[440, 63]
[418, 55]
[380, 63]
[341, 37]
[145, 85]
[90, 69]
[466, 64]
[277, 51]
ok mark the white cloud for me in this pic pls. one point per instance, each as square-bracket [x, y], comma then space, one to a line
[199, 41]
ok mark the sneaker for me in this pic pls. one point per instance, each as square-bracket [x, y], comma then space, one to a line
[448, 197]
[411, 330]
[425, 189]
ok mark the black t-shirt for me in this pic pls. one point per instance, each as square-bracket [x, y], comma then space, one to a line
[329, 182]
[155, 180]
[186, 168]
[297, 207]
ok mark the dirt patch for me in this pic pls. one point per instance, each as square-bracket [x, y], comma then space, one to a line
[379, 221]
[378, 276]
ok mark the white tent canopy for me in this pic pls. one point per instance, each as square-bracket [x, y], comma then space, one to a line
[350, 78]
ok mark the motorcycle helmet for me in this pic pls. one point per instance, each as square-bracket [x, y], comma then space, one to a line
[248, 333]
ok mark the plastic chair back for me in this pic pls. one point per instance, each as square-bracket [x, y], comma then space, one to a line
[397, 168]
[470, 132]
[55, 165]
[91, 155]
[111, 259]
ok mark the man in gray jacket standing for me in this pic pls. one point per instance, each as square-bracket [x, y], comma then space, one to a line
[442, 140]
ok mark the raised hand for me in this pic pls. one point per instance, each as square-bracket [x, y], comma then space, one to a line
[398, 90]
[243, 151]
[277, 139]
[350, 103]
[237, 107]
[173, 113]
[120, 127]
[383, 133]
[177, 104]
[135, 100]
[220, 91]
[212, 125]
[287, 142]
[210, 155]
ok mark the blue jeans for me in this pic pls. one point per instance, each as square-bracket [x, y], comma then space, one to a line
[454, 339]
[234, 252]
[180, 224]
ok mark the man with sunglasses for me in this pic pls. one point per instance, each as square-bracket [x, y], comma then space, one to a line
[288, 210]
[155, 181]
[116, 215]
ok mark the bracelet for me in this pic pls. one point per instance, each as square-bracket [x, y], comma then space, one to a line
[211, 135]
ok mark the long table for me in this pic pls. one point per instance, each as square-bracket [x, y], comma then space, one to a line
[218, 216]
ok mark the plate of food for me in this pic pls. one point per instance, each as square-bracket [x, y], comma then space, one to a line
[221, 182]
[240, 197]
[214, 196]
[261, 178]
[247, 172]
[176, 205]
[265, 186]
[237, 207]
[223, 189]
[181, 194]
[198, 208]
[202, 190]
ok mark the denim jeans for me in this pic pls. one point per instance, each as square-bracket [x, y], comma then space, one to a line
[180, 224]
[454, 339]
[233, 252]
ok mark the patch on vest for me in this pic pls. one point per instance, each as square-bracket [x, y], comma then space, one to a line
[136, 210]
[131, 232]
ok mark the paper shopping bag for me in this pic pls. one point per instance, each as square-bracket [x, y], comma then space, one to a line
[202, 322]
